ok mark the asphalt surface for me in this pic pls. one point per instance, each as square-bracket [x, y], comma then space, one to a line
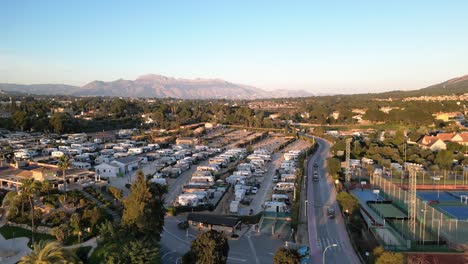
[251, 247]
[322, 230]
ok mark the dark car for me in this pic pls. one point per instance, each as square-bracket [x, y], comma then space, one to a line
[331, 212]
[183, 225]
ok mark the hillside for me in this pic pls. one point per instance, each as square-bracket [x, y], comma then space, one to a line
[157, 86]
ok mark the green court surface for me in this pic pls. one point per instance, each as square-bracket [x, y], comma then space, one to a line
[387, 210]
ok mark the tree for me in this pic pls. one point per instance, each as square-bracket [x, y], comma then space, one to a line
[333, 167]
[20, 119]
[286, 256]
[208, 248]
[30, 188]
[141, 252]
[64, 164]
[390, 258]
[348, 202]
[116, 193]
[144, 207]
[49, 253]
[444, 159]
[60, 232]
[46, 187]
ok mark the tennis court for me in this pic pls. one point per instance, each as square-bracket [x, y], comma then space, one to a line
[387, 210]
[441, 196]
[459, 212]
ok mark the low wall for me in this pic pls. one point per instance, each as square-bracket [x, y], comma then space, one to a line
[39, 229]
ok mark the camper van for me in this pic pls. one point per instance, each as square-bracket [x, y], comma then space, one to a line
[284, 186]
[280, 198]
[278, 207]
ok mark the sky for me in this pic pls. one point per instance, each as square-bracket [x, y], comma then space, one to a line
[326, 46]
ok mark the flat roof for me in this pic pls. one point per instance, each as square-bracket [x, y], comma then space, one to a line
[220, 220]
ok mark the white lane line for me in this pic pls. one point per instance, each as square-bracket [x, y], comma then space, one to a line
[170, 252]
[176, 237]
[253, 250]
[236, 259]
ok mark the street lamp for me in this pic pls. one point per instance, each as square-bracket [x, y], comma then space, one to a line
[305, 209]
[323, 255]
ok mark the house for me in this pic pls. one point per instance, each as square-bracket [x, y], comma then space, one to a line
[107, 170]
[127, 164]
[335, 114]
[439, 141]
[187, 141]
[448, 116]
[209, 125]
[460, 138]
[220, 223]
[431, 142]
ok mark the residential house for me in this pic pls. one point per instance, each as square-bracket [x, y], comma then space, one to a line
[127, 164]
[187, 141]
[432, 142]
[108, 170]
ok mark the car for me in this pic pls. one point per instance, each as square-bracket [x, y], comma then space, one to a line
[254, 190]
[183, 225]
[331, 212]
[275, 178]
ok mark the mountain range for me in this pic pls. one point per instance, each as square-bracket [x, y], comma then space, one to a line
[157, 86]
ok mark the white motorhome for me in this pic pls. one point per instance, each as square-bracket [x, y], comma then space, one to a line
[278, 207]
[284, 186]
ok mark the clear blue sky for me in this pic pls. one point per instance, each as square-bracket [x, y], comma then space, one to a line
[320, 46]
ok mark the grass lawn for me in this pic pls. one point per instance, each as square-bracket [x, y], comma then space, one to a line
[9, 232]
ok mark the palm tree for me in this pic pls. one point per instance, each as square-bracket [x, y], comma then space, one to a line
[30, 188]
[46, 186]
[64, 164]
[46, 252]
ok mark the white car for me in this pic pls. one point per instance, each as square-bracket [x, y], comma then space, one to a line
[254, 190]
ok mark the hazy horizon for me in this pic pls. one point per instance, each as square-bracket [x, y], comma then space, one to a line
[343, 47]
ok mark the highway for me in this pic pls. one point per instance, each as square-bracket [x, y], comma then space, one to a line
[322, 230]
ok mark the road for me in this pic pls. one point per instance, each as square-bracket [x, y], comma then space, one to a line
[324, 231]
[250, 248]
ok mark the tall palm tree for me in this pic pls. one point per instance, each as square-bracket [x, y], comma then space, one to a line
[30, 188]
[64, 164]
[46, 252]
[46, 186]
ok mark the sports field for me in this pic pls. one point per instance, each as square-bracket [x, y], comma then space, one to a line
[459, 212]
[387, 210]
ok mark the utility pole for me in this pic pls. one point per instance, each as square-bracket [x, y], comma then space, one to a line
[412, 210]
[348, 150]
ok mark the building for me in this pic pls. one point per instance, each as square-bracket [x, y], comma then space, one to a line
[440, 141]
[431, 142]
[127, 164]
[448, 116]
[107, 170]
[227, 224]
[187, 141]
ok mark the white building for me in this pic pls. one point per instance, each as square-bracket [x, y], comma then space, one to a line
[107, 170]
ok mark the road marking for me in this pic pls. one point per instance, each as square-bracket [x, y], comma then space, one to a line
[253, 250]
[176, 237]
[170, 252]
[236, 259]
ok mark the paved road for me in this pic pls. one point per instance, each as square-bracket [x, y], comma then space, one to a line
[324, 231]
[252, 247]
